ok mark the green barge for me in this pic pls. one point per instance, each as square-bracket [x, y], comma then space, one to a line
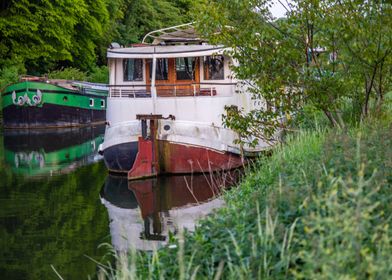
[40, 103]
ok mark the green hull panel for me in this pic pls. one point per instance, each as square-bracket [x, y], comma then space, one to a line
[27, 93]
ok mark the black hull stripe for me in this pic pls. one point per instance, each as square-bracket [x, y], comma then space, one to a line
[50, 115]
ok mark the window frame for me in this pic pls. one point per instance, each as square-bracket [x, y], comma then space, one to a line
[193, 65]
[156, 69]
[124, 64]
[206, 70]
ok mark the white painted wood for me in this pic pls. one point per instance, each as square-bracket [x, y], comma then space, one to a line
[198, 119]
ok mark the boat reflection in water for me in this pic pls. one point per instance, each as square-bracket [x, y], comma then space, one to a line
[51, 151]
[143, 212]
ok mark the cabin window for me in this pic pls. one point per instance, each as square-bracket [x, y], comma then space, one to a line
[102, 103]
[214, 68]
[162, 70]
[133, 69]
[185, 68]
[91, 102]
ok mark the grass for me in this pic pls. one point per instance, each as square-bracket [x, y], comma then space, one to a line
[319, 208]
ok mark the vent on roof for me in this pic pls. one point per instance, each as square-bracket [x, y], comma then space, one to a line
[114, 45]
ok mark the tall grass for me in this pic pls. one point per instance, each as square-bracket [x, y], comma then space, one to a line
[319, 208]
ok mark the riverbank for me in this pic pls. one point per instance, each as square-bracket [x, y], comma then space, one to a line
[320, 207]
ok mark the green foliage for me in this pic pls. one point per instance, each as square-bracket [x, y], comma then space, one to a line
[309, 118]
[68, 74]
[47, 34]
[313, 56]
[93, 21]
[318, 208]
[99, 75]
[348, 214]
[143, 16]
[69, 38]
[359, 33]
[8, 75]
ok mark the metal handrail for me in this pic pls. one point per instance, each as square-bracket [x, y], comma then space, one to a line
[187, 84]
[167, 90]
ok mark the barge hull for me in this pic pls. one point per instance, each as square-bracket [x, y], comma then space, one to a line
[50, 115]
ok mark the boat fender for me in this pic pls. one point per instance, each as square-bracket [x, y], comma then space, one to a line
[100, 149]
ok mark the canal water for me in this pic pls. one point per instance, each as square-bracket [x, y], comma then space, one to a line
[58, 204]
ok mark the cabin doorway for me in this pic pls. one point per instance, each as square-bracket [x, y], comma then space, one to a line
[175, 76]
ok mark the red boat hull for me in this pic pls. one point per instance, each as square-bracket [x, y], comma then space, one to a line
[180, 158]
[164, 157]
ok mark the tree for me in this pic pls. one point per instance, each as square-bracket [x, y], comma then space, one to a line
[53, 34]
[143, 16]
[312, 56]
[49, 34]
[366, 40]
[25, 32]
[93, 20]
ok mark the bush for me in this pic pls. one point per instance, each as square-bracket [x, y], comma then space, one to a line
[69, 73]
[9, 75]
[99, 75]
[308, 117]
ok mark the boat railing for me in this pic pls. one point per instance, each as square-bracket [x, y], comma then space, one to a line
[83, 84]
[129, 91]
[30, 78]
[173, 90]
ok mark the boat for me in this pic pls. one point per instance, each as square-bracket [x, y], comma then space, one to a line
[38, 102]
[165, 106]
[37, 153]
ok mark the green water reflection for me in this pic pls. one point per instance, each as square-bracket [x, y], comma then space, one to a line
[50, 212]
[50, 152]
[58, 204]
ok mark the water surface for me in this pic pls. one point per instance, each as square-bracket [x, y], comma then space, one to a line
[58, 204]
[50, 211]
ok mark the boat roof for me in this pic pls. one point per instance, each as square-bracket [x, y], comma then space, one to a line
[176, 41]
[164, 51]
[174, 34]
[69, 84]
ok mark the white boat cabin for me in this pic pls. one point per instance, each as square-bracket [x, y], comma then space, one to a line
[180, 70]
[178, 74]
[176, 64]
